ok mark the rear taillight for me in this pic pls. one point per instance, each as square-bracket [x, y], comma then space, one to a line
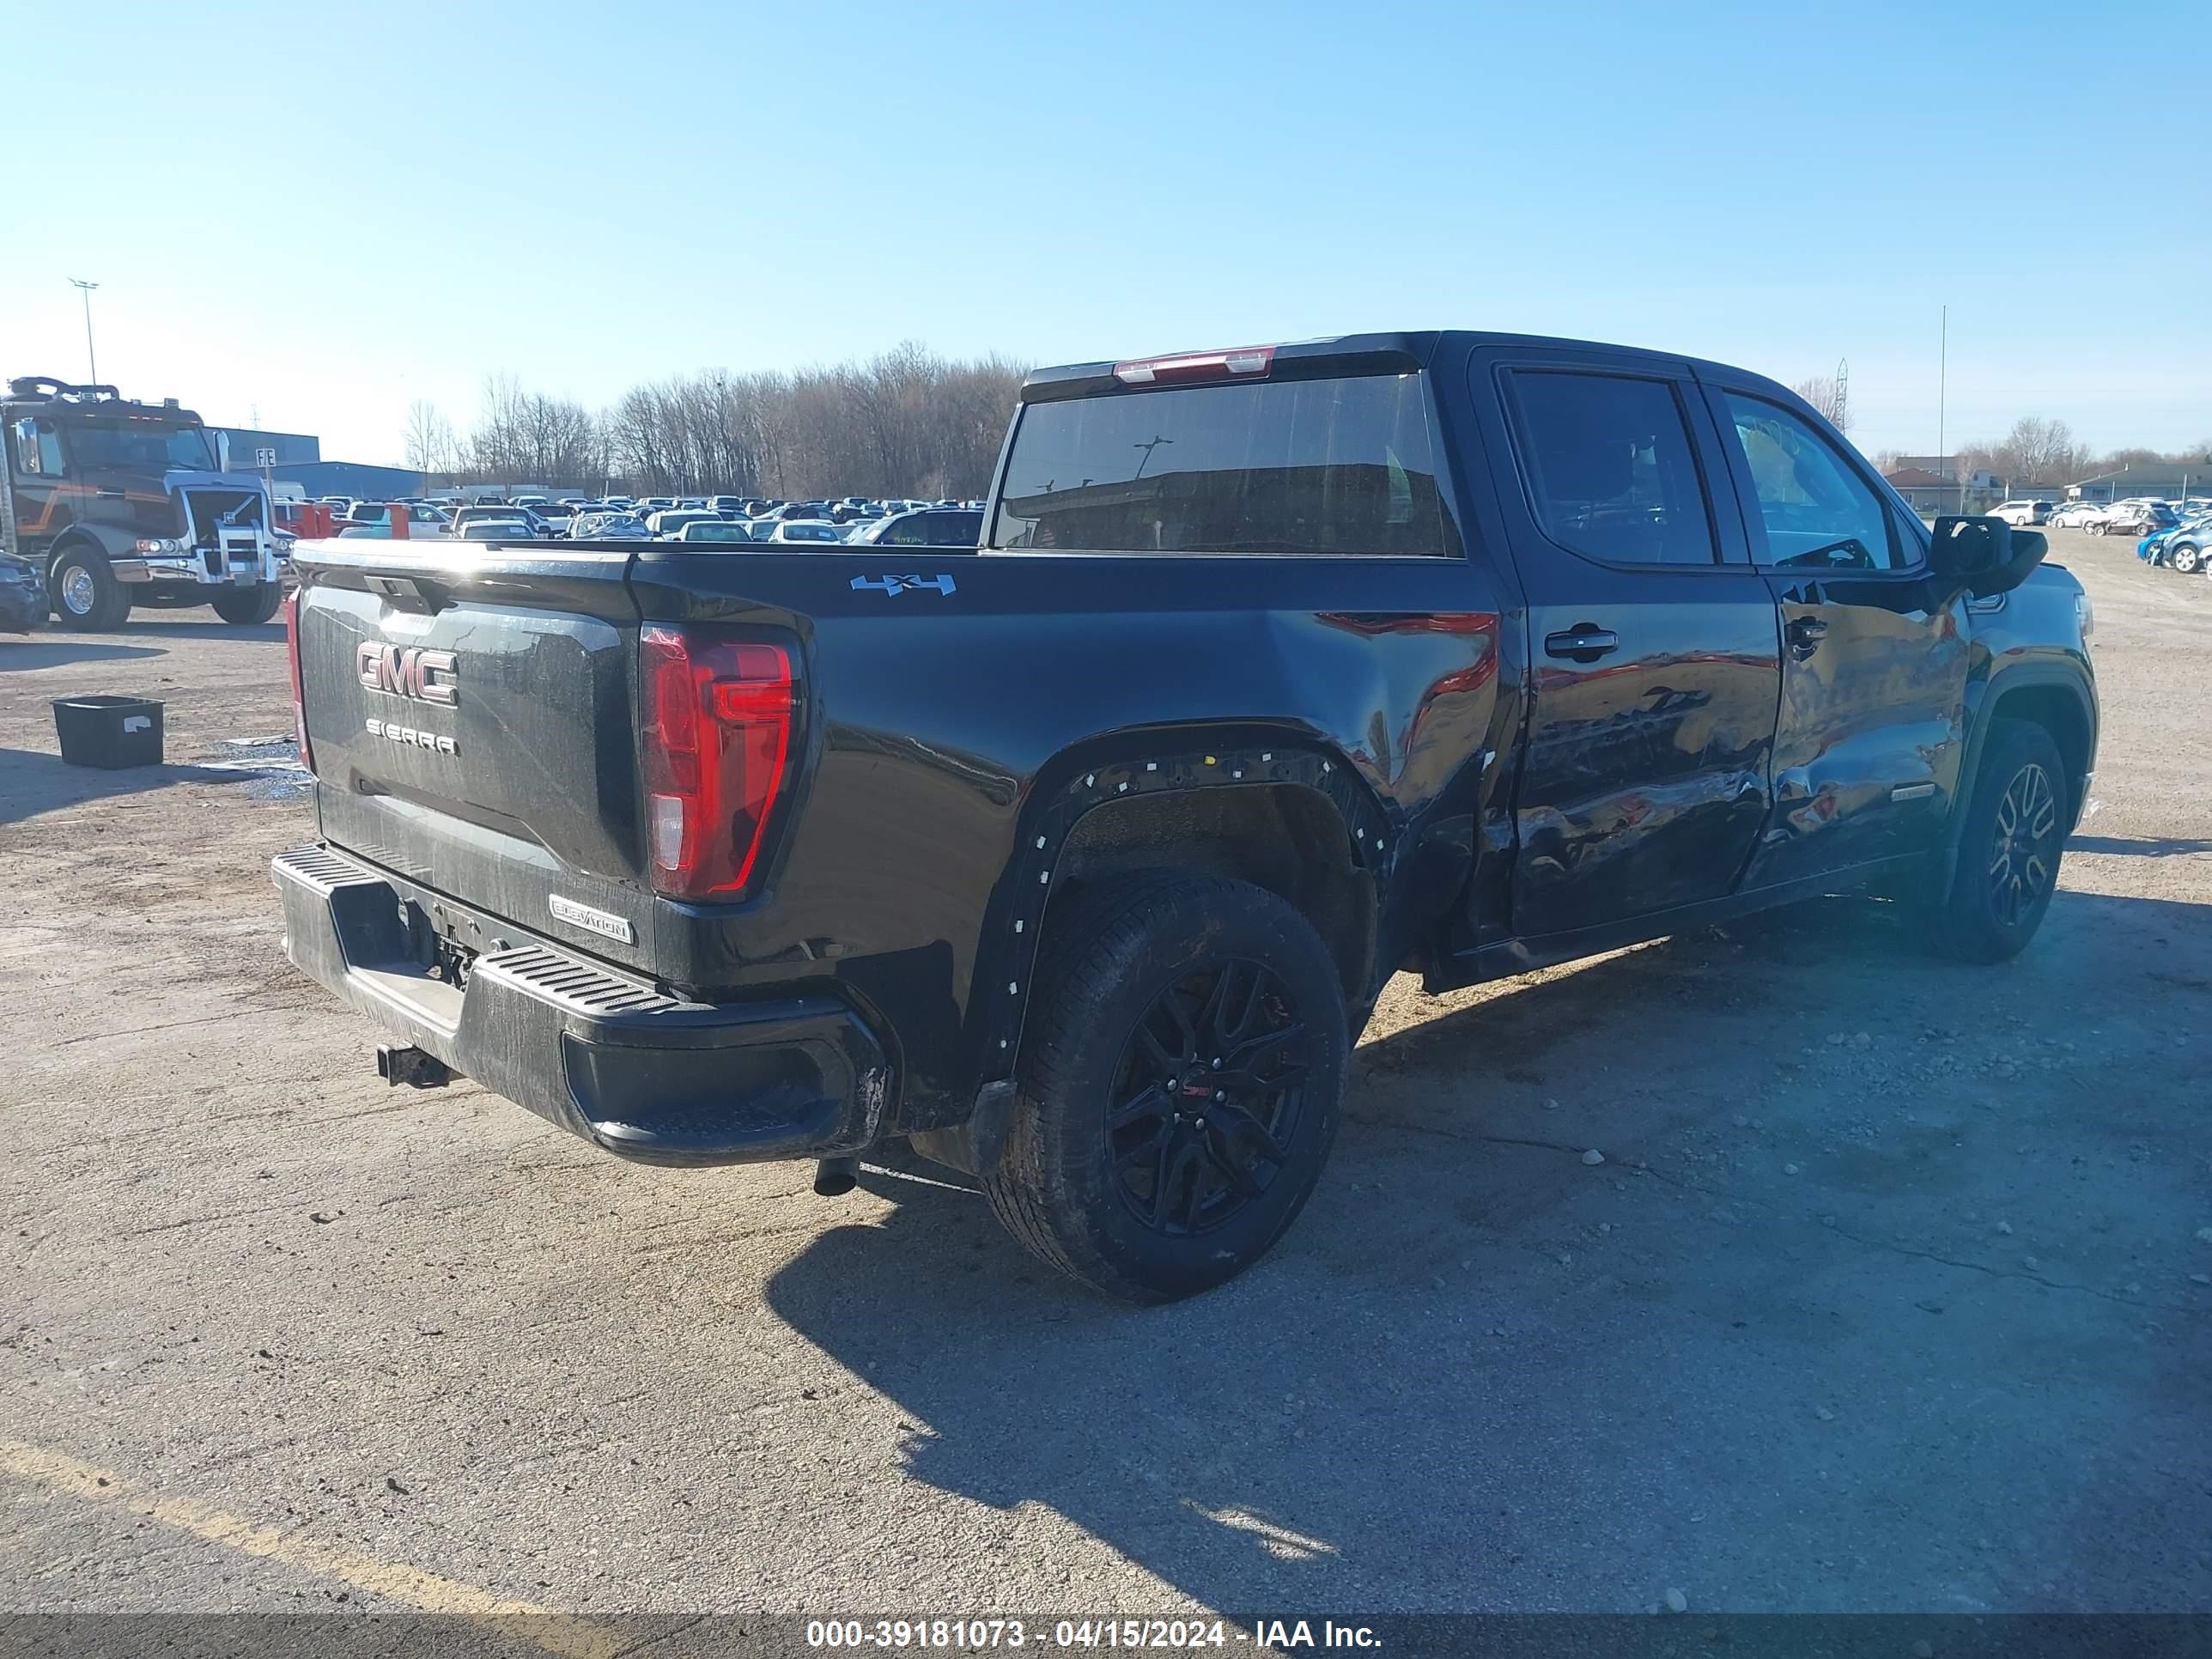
[714, 738]
[291, 613]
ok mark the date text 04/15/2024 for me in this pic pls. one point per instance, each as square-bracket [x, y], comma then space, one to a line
[1156, 1634]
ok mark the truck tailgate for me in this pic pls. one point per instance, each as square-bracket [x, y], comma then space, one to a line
[471, 714]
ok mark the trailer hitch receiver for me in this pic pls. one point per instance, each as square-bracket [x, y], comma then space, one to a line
[415, 1067]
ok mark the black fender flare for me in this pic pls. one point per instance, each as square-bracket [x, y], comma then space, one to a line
[1083, 780]
[1982, 714]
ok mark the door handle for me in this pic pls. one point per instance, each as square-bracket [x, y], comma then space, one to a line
[1585, 642]
[1805, 634]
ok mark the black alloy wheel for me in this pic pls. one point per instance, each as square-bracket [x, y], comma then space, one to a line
[1179, 1081]
[2011, 839]
[1204, 1105]
[2024, 862]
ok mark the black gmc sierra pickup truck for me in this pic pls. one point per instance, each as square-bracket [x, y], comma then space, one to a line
[1078, 859]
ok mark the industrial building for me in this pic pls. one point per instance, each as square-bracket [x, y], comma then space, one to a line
[296, 458]
[244, 445]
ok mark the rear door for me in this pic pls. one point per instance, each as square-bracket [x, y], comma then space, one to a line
[1874, 675]
[1654, 664]
[471, 713]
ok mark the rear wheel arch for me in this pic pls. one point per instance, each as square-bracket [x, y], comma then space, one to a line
[1288, 839]
[1291, 817]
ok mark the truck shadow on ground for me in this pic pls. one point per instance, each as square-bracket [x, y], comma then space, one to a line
[21, 655]
[1420, 1404]
[2146, 847]
[213, 628]
[31, 782]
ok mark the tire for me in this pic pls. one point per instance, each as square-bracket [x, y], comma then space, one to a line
[248, 606]
[2010, 848]
[2187, 558]
[1139, 977]
[85, 594]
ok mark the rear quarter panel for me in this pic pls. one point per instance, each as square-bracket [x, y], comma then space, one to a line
[950, 732]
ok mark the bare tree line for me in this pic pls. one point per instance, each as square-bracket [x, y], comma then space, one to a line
[909, 422]
[905, 423]
[2038, 451]
[2042, 451]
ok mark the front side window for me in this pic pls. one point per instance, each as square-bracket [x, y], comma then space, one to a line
[1610, 470]
[1819, 514]
[1325, 467]
[37, 448]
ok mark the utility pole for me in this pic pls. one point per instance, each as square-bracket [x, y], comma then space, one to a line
[1943, 388]
[86, 289]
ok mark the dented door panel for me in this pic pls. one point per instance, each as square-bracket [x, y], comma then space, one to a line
[1868, 750]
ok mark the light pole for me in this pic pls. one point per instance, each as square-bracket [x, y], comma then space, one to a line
[1943, 388]
[86, 289]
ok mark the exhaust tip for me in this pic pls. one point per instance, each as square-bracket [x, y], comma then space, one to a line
[833, 1177]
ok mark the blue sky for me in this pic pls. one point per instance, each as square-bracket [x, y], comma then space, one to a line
[367, 205]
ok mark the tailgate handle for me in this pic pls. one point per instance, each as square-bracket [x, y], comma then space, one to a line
[402, 590]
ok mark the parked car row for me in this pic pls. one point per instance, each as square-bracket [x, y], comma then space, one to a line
[2136, 516]
[2181, 545]
[707, 520]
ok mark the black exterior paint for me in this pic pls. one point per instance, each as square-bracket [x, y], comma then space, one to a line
[1498, 804]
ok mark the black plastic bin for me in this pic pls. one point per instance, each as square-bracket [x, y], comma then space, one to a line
[109, 730]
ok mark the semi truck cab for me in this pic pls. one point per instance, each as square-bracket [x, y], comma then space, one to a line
[117, 503]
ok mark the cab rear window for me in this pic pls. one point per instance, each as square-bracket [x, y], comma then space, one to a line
[1322, 467]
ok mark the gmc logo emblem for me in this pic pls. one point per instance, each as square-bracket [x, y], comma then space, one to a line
[424, 676]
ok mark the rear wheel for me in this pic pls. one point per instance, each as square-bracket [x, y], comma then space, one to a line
[86, 595]
[248, 605]
[1178, 1087]
[2008, 849]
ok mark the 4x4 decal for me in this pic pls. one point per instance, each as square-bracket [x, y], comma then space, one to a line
[897, 585]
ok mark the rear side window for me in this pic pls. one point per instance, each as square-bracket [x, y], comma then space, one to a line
[1610, 471]
[1301, 467]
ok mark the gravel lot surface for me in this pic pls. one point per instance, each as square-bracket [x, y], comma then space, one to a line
[1892, 1292]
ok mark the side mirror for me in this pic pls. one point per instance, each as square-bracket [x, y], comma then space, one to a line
[1984, 557]
[27, 444]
